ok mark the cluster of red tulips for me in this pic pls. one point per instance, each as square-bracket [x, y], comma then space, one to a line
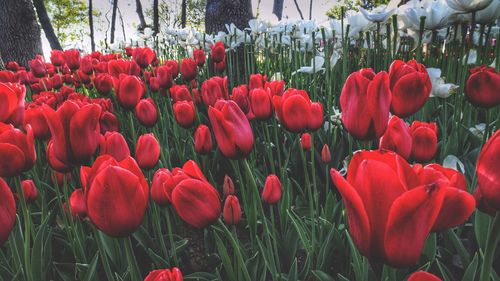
[81, 115]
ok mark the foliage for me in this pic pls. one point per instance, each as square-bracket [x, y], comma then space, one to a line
[170, 13]
[335, 11]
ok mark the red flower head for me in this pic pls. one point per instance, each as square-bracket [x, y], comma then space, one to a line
[326, 157]
[147, 151]
[231, 129]
[111, 187]
[423, 276]
[12, 103]
[482, 87]
[17, 150]
[164, 76]
[232, 210]
[185, 113]
[218, 52]
[173, 65]
[410, 86]
[276, 87]
[397, 137]
[382, 192]
[165, 275]
[202, 140]
[75, 134]
[214, 89]
[305, 141]
[272, 190]
[108, 122]
[227, 186]
[487, 167]
[188, 69]
[240, 96]
[38, 67]
[424, 141]
[7, 211]
[117, 67]
[72, 58]
[296, 112]
[57, 58]
[146, 112]
[199, 57]
[162, 186]
[77, 204]
[367, 92]
[261, 104]
[257, 81]
[129, 91]
[196, 201]
[114, 144]
[103, 83]
[29, 190]
[144, 56]
[220, 66]
[35, 118]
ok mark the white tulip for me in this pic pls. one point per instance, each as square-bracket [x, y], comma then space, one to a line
[467, 6]
[316, 65]
[437, 14]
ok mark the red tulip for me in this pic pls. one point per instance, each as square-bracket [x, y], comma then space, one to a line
[165, 275]
[103, 83]
[7, 211]
[75, 134]
[487, 167]
[116, 195]
[424, 141]
[482, 87]
[220, 66]
[146, 113]
[202, 140]
[144, 56]
[232, 210]
[188, 69]
[228, 186]
[482, 204]
[276, 87]
[12, 103]
[410, 86]
[305, 141]
[194, 198]
[56, 81]
[296, 112]
[129, 91]
[184, 113]
[381, 193]
[214, 89]
[257, 81]
[29, 190]
[72, 58]
[326, 157]
[397, 137]
[114, 144]
[147, 151]
[57, 58]
[218, 52]
[162, 187]
[35, 118]
[231, 129]
[272, 190]
[260, 101]
[173, 66]
[164, 76]
[199, 57]
[367, 92]
[128, 67]
[458, 204]
[38, 67]
[77, 204]
[86, 65]
[240, 96]
[108, 122]
[17, 150]
[423, 276]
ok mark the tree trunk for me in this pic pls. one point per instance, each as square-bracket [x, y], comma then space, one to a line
[221, 12]
[156, 18]
[298, 9]
[278, 8]
[2, 65]
[113, 21]
[19, 31]
[46, 24]
[183, 13]
[140, 13]
[91, 26]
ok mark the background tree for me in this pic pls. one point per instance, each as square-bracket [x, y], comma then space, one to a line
[91, 26]
[183, 13]
[335, 11]
[221, 12]
[19, 31]
[156, 17]
[113, 21]
[70, 20]
[44, 19]
[140, 13]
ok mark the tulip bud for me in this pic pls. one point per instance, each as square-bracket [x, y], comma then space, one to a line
[146, 112]
[218, 52]
[305, 141]
[29, 190]
[424, 141]
[272, 190]
[257, 81]
[260, 101]
[103, 83]
[77, 204]
[147, 152]
[165, 275]
[326, 157]
[72, 58]
[162, 187]
[423, 276]
[482, 87]
[202, 140]
[37, 67]
[199, 57]
[143, 56]
[188, 69]
[57, 58]
[185, 113]
[397, 137]
[7, 211]
[232, 210]
[130, 91]
[114, 144]
[228, 186]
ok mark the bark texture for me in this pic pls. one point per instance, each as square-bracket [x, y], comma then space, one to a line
[156, 17]
[140, 13]
[44, 19]
[91, 26]
[113, 21]
[19, 31]
[278, 8]
[183, 13]
[221, 12]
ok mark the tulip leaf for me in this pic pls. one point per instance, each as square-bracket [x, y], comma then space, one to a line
[322, 276]
[464, 255]
[292, 275]
[226, 261]
[91, 271]
[430, 247]
[481, 226]
[470, 272]
[301, 229]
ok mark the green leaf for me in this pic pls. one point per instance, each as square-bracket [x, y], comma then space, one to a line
[322, 276]
[470, 272]
[91, 271]
[430, 247]
[481, 226]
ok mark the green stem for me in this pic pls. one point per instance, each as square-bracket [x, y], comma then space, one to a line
[27, 230]
[133, 267]
[171, 238]
[491, 245]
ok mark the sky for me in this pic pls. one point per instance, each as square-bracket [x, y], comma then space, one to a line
[131, 20]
